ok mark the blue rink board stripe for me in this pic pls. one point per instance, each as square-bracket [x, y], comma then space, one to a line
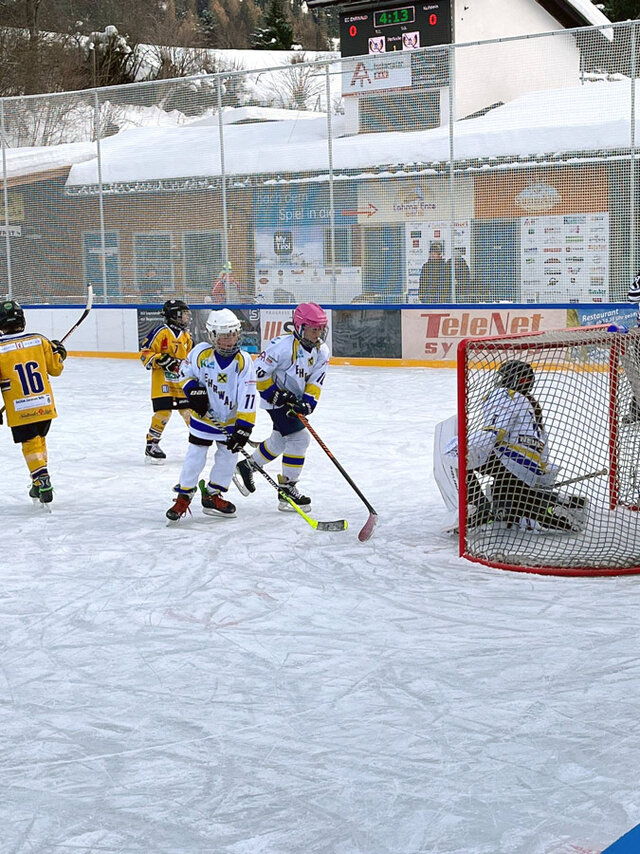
[627, 844]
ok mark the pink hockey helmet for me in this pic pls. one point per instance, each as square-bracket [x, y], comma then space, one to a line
[309, 314]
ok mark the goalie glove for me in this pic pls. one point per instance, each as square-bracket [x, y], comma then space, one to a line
[238, 439]
[59, 349]
[198, 399]
[167, 362]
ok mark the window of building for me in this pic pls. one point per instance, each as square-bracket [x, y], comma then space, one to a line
[153, 265]
[342, 245]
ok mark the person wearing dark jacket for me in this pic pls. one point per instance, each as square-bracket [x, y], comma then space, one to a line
[434, 285]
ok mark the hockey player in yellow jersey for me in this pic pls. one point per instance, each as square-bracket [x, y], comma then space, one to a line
[162, 352]
[27, 360]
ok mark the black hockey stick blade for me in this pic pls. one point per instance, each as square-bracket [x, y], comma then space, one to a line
[367, 528]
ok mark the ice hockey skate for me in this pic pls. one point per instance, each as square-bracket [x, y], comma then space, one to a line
[213, 504]
[41, 490]
[180, 507]
[154, 454]
[243, 477]
[567, 515]
[289, 487]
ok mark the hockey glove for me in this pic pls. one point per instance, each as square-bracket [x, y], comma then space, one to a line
[238, 439]
[198, 400]
[300, 407]
[167, 362]
[59, 349]
[281, 397]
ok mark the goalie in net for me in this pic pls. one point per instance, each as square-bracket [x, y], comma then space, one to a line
[549, 455]
[509, 453]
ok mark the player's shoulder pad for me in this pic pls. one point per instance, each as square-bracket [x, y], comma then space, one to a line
[201, 353]
[153, 334]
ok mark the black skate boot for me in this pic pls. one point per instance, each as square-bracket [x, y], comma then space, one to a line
[288, 487]
[41, 489]
[154, 454]
[180, 507]
[243, 477]
[568, 514]
[213, 504]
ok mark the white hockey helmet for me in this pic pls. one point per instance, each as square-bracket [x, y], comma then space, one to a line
[223, 323]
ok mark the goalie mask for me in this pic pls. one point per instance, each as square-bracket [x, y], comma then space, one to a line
[177, 314]
[309, 316]
[12, 318]
[223, 329]
[517, 376]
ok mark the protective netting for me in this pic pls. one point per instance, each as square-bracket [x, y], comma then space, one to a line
[549, 429]
[484, 172]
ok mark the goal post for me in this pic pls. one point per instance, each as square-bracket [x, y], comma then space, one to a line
[549, 451]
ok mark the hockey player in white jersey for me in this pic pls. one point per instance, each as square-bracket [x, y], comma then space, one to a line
[290, 373]
[511, 451]
[219, 381]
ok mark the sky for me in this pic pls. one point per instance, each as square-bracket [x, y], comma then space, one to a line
[252, 686]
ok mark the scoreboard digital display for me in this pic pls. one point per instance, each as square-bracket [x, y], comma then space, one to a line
[393, 27]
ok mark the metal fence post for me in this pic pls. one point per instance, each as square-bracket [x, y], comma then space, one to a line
[452, 180]
[5, 188]
[632, 159]
[332, 213]
[103, 250]
[223, 179]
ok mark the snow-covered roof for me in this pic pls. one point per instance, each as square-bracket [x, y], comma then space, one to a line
[587, 11]
[589, 118]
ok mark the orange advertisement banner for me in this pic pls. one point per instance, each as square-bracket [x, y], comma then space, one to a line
[435, 333]
[554, 190]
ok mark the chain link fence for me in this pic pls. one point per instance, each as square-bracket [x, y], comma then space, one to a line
[497, 171]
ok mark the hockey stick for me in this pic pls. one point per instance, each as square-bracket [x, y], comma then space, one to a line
[82, 317]
[370, 524]
[581, 477]
[337, 525]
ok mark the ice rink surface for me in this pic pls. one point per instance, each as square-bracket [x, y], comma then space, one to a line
[250, 686]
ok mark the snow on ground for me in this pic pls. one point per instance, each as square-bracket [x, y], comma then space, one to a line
[250, 686]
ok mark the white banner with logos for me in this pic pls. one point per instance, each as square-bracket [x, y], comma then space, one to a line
[565, 258]
[376, 73]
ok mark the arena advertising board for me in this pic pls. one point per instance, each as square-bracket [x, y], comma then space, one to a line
[366, 333]
[148, 318]
[293, 244]
[565, 258]
[272, 321]
[433, 334]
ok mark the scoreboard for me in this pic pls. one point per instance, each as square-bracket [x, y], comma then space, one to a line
[393, 26]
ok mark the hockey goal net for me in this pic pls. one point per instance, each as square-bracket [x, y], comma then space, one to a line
[583, 519]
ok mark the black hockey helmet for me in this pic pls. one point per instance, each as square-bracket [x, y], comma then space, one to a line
[11, 317]
[177, 313]
[517, 376]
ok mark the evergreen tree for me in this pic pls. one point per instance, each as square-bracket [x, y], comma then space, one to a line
[276, 33]
[621, 10]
